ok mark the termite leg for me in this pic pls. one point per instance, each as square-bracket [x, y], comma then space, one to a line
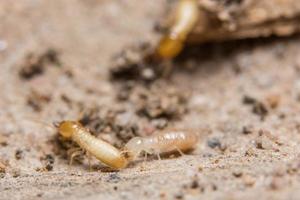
[180, 152]
[167, 69]
[74, 153]
[145, 157]
[144, 160]
[89, 161]
[158, 156]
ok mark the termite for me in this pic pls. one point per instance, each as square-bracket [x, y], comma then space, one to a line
[162, 142]
[103, 151]
[186, 16]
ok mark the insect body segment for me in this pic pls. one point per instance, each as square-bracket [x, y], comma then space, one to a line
[163, 142]
[186, 16]
[102, 150]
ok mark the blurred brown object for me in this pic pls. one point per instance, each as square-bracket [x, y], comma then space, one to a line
[237, 19]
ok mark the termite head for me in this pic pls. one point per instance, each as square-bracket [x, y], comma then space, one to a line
[185, 18]
[134, 147]
[170, 46]
[66, 128]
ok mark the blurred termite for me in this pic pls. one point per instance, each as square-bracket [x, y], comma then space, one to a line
[103, 151]
[162, 142]
[186, 16]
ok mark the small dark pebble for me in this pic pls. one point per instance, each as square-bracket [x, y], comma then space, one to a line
[2, 174]
[18, 154]
[249, 100]
[213, 143]
[248, 129]
[39, 195]
[113, 178]
[49, 158]
[16, 173]
[237, 174]
[49, 167]
[214, 187]
[49, 161]
[194, 184]
[179, 196]
[159, 123]
[35, 65]
[260, 109]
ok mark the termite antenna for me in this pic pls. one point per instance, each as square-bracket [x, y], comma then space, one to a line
[49, 125]
[56, 124]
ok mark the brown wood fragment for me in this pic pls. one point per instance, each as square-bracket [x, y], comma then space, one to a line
[238, 19]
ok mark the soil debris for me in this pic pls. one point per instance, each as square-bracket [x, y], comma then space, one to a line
[3, 140]
[2, 167]
[248, 129]
[214, 143]
[258, 107]
[136, 63]
[18, 154]
[262, 107]
[35, 65]
[266, 141]
[160, 101]
[48, 162]
[113, 178]
[37, 101]
[273, 100]
[107, 123]
[248, 180]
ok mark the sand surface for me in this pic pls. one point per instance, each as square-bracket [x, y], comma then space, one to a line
[243, 98]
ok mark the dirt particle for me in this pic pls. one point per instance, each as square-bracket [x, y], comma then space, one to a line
[250, 152]
[106, 123]
[2, 167]
[35, 65]
[135, 63]
[18, 154]
[159, 123]
[3, 140]
[273, 101]
[36, 101]
[160, 101]
[162, 195]
[178, 196]
[237, 174]
[266, 141]
[48, 161]
[248, 129]
[258, 107]
[214, 187]
[277, 183]
[15, 173]
[214, 143]
[248, 100]
[39, 194]
[293, 167]
[248, 180]
[113, 178]
[194, 184]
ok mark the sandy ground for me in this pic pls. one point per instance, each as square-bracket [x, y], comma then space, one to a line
[243, 99]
